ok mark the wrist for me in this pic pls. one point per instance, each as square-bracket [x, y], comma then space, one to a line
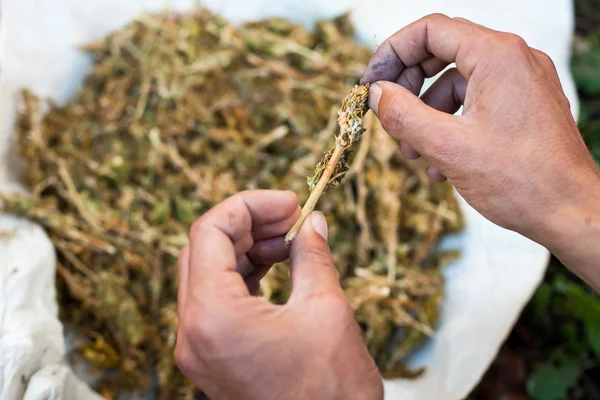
[571, 231]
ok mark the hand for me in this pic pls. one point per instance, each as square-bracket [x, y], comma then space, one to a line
[515, 154]
[237, 346]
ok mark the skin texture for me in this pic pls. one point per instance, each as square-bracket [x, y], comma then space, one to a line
[515, 155]
[237, 346]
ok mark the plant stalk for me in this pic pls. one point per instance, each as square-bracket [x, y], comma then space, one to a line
[310, 204]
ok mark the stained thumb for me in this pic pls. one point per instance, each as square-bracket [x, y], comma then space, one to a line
[312, 268]
[407, 118]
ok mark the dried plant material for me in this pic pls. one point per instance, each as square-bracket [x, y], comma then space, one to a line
[180, 112]
[331, 169]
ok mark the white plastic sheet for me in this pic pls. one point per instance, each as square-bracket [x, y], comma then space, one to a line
[486, 289]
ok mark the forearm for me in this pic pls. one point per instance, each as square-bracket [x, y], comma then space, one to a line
[572, 234]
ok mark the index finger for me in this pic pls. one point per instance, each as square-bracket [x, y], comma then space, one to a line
[212, 265]
[434, 36]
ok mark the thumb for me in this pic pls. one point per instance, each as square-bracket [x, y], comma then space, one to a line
[311, 264]
[407, 118]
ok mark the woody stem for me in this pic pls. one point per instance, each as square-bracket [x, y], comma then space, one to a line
[316, 193]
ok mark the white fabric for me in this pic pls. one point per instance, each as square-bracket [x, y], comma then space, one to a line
[486, 288]
[31, 336]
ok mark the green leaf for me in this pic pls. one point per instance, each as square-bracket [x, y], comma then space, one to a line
[592, 330]
[161, 211]
[541, 300]
[584, 114]
[591, 134]
[569, 331]
[560, 284]
[594, 40]
[184, 210]
[587, 307]
[586, 72]
[549, 382]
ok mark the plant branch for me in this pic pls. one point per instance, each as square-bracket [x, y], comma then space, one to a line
[317, 191]
[337, 159]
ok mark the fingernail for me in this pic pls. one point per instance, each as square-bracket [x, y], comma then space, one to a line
[374, 97]
[319, 224]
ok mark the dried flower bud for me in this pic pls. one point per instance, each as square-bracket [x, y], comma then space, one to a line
[351, 115]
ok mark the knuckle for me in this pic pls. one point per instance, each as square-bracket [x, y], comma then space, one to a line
[514, 43]
[208, 329]
[188, 320]
[545, 60]
[197, 227]
[198, 326]
[240, 216]
[239, 197]
[506, 51]
[436, 17]
[461, 19]
[183, 358]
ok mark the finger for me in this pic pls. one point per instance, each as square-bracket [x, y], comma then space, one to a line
[467, 21]
[447, 94]
[244, 266]
[412, 78]
[312, 268]
[408, 151]
[277, 228]
[259, 272]
[408, 119]
[437, 35]
[434, 174]
[213, 258]
[253, 285]
[253, 280]
[433, 66]
[252, 273]
[261, 258]
[266, 231]
[243, 244]
[183, 267]
[269, 251]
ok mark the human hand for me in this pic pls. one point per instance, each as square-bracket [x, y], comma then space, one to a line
[237, 346]
[515, 154]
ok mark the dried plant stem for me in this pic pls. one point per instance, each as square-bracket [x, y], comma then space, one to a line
[317, 192]
[393, 208]
[351, 123]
